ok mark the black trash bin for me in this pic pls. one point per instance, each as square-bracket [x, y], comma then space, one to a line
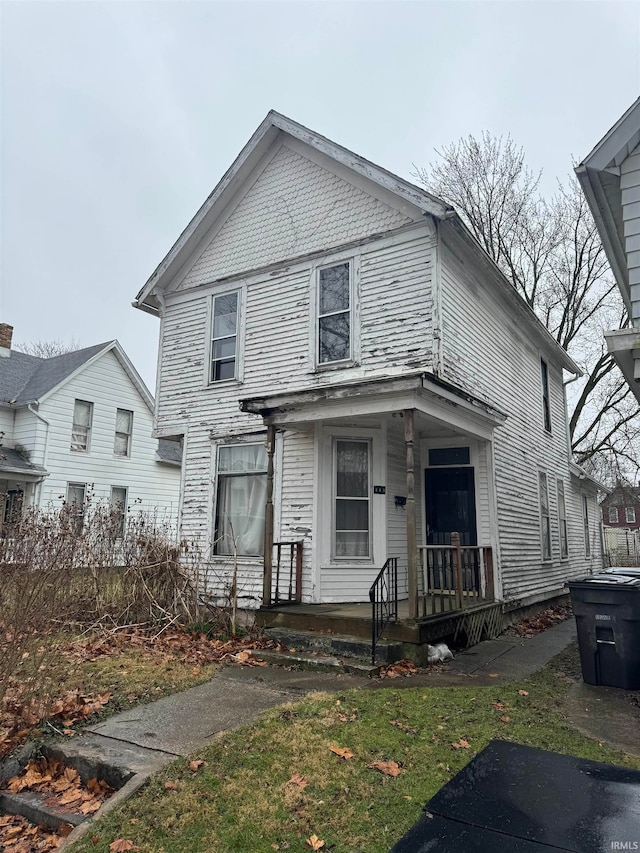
[607, 611]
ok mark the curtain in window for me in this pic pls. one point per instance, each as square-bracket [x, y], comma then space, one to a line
[240, 505]
[81, 425]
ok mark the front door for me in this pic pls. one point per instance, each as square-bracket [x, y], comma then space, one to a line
[451, 505]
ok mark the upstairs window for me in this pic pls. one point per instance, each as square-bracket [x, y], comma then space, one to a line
[545, 518]
[334, 313]
[630, 514]
[546, 405]
[81, 431]
[124, 428]
[224, 338]
[613, 515]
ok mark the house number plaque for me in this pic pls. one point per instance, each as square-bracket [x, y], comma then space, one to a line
[379, 490]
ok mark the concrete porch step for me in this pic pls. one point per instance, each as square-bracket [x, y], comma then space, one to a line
[339, 646]
[317, 662]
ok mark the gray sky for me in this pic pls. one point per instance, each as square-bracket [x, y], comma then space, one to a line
[118, 118]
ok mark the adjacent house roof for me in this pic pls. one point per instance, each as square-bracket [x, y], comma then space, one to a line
[26, 379]
[169, 451]
[599, 176]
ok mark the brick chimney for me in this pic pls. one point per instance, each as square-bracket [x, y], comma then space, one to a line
[6, 333]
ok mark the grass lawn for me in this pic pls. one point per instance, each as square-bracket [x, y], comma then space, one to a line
[277, 783]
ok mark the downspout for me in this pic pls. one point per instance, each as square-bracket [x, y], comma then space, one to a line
[46, 445]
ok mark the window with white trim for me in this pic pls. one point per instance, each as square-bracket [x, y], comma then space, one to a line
[224, 337]
[81, 430]
[76, 496]
[352, 501]
[562, 522]
[118, 505]
[546, 403]
[545, 518]
[241, 494]
[585, 524]
[334, 307]
[124, 428]
[630, 514]
[613, 515]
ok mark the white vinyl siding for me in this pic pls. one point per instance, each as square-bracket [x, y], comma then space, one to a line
[81, 430]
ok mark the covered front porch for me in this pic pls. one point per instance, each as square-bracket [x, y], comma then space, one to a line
[402, 528]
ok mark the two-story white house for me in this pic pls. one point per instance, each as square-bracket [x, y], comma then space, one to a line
[80, 425]
[358, 388]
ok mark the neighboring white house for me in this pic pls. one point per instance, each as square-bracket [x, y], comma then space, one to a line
[347, 368]
[610, 179]
[79, 424]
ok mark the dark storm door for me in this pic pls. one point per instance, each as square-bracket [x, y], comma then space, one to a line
[451, 505]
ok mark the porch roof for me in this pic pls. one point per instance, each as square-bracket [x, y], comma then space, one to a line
[421, 391]
[14, 463]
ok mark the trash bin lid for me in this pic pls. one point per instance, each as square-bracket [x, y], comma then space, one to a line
[608, 580]
[631, 571]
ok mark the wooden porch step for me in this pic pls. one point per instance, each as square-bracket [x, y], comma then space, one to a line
[335, 646]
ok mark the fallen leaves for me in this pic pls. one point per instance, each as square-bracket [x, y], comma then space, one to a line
[410, 730]
[399, 669]
[18, 835]
[523, 692]
[299, 780]
[314, 842]
[463, 743]
[61, 786]
[341, 751]
[196, 764]
[121, 845]
[529, 626]
[388, 768]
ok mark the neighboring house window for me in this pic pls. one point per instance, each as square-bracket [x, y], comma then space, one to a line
[352, 461]
[224, 338]
[546, 405]
[76, 494]
[81, 432]
[613, 515]
[630, 514]
[334, 313]
[585, 522]
[118, 509]
[124, 428]
[545, 518]
[562, 522]
[240, 500]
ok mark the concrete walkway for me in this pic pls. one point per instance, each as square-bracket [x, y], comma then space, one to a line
[140, 741]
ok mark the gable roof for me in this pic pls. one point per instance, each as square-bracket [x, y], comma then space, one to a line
[276, 124]
[599, 176]
[26, 379]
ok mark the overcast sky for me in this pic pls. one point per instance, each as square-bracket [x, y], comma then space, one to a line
[118, 118]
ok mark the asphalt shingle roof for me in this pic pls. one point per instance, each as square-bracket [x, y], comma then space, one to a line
[169, 450]
[13, 461]
[26, 378]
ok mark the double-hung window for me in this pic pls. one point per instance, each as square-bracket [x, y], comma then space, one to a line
[76, 494]
[124, 428]
[630, 514]
[352, 514]
[240, 500]
[224, 337]
[81, 430]
[545, 518]
[562, 522]
[118, 510]
[585, 523]
[546, 404]
[613, 515]
[335, 332]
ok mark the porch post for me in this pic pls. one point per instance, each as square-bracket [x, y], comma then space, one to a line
[412, 547]
[268, 519]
